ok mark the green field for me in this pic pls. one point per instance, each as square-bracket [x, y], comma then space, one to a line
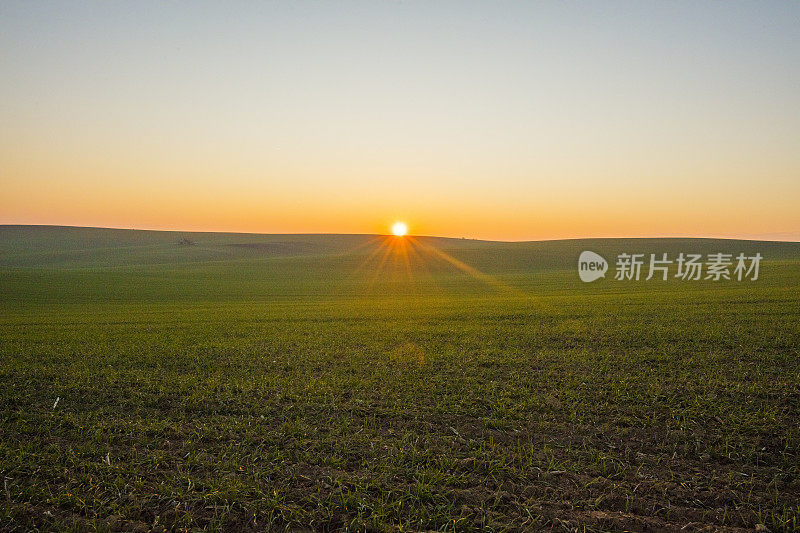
[324, 382]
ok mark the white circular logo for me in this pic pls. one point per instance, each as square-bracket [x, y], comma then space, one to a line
[591, 266]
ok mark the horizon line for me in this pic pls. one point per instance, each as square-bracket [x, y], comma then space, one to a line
[741, 238]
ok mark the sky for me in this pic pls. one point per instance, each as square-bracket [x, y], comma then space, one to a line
[493, 120]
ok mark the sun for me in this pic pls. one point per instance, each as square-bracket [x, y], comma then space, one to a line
[399, 229]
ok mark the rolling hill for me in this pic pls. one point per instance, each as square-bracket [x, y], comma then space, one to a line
[272, 382]
[78, 247]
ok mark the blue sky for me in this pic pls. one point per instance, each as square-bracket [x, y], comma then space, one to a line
[499, 120]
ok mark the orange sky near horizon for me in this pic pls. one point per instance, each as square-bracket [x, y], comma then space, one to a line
[461, 119]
